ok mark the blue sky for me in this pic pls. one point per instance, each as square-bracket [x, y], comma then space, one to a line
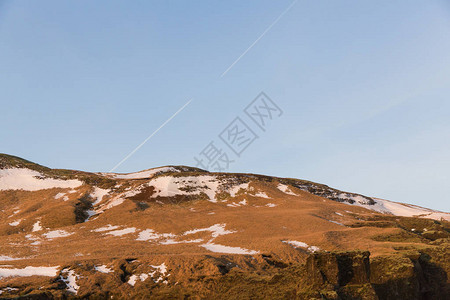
[364, 87]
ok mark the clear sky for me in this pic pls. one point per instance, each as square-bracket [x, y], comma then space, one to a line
[364, 87]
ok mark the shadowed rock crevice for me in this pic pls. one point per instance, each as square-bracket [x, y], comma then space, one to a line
[83, 205]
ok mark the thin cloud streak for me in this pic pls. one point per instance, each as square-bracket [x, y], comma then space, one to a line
[150, 136]
[260, 37]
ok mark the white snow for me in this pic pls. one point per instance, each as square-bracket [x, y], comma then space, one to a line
[70, 281]
[98, 195]
[271, 205]
[241, 203]
[105, 228]
[29, 271]
[59, 195]
[63, 195]
[336, 222]
[37, 226]
[143, 174]
[29, 180]
[35, 239]
[15, 223]
[169, 186]
[297, 244]
[261, 195]
[409, 210]
[400, 209]
[114, 202]
[8, 289]
[143, 277]
[339, 214]
[103, 269]
[236, 189]
[173, 242]
[132, 280]
[90, 213]
[285, 189]
[227, 249]
[150, 234]
[216, 230]
[121, 232]
[161, 269]
[7, 258]
[57, 234]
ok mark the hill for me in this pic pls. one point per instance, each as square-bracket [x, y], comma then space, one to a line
[182, 232]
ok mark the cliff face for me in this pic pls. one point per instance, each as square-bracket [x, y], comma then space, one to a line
[353, 275]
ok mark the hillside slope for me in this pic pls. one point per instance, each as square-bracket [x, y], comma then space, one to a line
[181, 232]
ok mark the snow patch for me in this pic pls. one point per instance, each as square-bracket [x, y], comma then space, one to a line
[285, 189]
[29, 271]
[143, 174]
[132, 280]
[57, 234]
[8, 258]
[121, 232]
[105, 228]
[297, 244]
[150, 234]
[227, 249]
[216, 230]
[29, 180]
[15, 223]
[103, 269]
[70, 280]
[37, 226]
[98, 195]
[59, 195]
[262, 195]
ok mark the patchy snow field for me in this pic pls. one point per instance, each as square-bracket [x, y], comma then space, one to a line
[142, 174]
[297, 244]
[29, 180]
[227, 249]
[29, 271]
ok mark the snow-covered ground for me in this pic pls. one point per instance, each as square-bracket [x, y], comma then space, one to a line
[216, 230]
[57, 234]
[161, 270]
[121, 232]
[29, 271]
[297, 244]
[108, 227]
[103, 269]
[15, 223]
[285, 189]
[402, 209]
[7, 258]
[151, 235]
[227, 249]
[29, 180]
[169, 186]
[70, 279]
[98, 194]
[142, 174]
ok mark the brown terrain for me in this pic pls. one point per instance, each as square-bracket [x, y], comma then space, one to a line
[185, 233]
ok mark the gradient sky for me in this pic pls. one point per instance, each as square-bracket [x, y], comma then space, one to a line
[364, 87]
